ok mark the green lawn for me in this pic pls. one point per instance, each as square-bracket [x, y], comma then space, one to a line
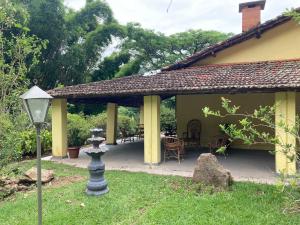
[138, 198]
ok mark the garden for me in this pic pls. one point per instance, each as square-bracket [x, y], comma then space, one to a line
[69, 51]
[138, 198]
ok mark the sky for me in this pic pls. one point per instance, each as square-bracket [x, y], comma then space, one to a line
[221, 15]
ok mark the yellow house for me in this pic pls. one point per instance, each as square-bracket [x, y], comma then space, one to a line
[260, 66]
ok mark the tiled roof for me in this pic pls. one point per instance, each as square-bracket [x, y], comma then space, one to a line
[265, 76]
[255, 32]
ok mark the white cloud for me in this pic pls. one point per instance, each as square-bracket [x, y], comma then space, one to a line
[187, 14]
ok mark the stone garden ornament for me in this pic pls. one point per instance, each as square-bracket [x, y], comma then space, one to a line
[97, 184]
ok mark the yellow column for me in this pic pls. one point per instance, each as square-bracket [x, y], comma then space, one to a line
[59, 128]
[286, 113]
[152, 152]
[111, 126]
[142, 114]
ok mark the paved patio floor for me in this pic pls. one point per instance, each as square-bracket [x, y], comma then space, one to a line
[245, 165]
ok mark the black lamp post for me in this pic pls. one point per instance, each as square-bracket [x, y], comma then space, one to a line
[36, 102]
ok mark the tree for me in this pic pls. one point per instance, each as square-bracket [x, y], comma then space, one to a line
[19, 53]
[76, 39]
[155, 50]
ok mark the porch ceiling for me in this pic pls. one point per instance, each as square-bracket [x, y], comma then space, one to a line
[267, 76]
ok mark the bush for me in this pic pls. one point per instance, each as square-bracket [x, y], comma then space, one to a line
[98, 121]
[128, 119]
[78, 130]
[127, 123]
[18, 138]
[9, 138]
[27, 143]
[168, 120]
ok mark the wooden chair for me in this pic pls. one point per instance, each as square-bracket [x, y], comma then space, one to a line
[173, 148]
[126, 136]
[191, 138]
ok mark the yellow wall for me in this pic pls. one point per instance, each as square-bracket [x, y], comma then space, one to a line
[285, 112]
[59, 127]
[189, 107]
[279, 43]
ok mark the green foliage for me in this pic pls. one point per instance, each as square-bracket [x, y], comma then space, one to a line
[110, 66]
[132, 67]
[167, 120]
[295, 14]
[27, 144]
[127, 119]
[17, 142]
[19, 53]
[98, 121]
[78, 130]
[8, 137]
[192, 41]
[150, 50]
[79, 125]
[76, 39]
[128, 111]
[127, 123]
[170, 102]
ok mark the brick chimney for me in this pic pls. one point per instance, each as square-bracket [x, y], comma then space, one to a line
[251, 13]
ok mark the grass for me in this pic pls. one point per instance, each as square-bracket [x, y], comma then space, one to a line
[138, 198]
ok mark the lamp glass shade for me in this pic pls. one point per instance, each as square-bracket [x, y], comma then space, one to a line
[37, 109]
[36, 102]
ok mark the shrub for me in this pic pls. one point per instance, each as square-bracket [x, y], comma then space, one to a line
[128, 119]
[98, 121]
[168, 120]
[127, 123]
[27, 141]
[9, 138]
[19, 141]
[78, 130]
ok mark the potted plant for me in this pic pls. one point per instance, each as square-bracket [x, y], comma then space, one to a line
[74, 142]
[78, 132]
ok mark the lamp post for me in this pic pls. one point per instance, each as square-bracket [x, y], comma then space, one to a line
[36, 102]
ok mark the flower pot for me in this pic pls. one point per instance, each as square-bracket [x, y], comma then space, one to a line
[73, 152]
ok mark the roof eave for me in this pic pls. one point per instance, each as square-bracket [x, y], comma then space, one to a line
[236, 39]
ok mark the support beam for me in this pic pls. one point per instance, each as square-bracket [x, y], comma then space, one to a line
[142, 114]
[152, 151]
[286, 113]
[111, 126]
[59, 128]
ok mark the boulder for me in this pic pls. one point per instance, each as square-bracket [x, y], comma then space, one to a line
[47, 175]
[210, 172]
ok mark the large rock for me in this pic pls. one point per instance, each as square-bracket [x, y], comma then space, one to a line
[208, 171]
[47, 175]
[8, 186]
